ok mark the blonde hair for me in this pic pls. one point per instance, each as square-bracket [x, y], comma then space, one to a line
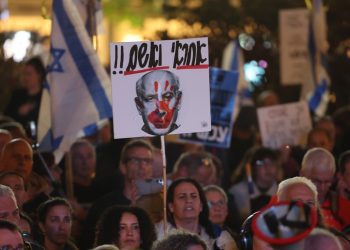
[298, 180]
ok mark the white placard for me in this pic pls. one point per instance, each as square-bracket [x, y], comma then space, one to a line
[294, 53]
[286, 124]
[160, 87]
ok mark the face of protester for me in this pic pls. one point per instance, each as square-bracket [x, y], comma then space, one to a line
[298, 192]
[57, 225]
[9, 210]
[10, 239]
[138, 164]
[186, 204]
[320, 139]
[322, 178]
[265, 173]
[31, 78]
[205, 175]
[159, 101]
[129, 234]
[346, 174]
[16, 183]
[217, 207]
[17, 156]
[84, 162]
[4, 138]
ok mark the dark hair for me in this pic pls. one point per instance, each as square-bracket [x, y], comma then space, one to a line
[179, 241]
[261, 153]
[134, 144]
[38, 65]
[45, 207]
[107, 230]
[344, 158]
[203, 216]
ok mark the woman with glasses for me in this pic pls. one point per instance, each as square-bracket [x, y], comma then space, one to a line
[218, 211]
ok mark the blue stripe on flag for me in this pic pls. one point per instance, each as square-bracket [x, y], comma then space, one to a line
[82, 61]
[316, 98]
[90, 129]
[235, 52]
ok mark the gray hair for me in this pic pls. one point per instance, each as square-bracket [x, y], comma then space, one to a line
[318, 158]
[6, 191]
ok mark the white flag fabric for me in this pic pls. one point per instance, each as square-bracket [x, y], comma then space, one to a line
[318, 100]
[78, 91]
[233, 60]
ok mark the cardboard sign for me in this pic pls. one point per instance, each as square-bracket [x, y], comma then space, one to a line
[286, 124]
[160, 87]
[294, 42]
[223, 85]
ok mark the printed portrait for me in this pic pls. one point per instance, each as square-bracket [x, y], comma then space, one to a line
[158, 101]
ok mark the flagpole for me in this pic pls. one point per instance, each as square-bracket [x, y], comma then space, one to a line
[164, 184]
[69, 176]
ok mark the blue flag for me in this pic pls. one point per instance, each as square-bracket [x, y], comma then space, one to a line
[318, 45]
[78, 91]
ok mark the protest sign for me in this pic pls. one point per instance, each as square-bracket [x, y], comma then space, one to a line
[286, 124]
[294, 42]
[160, 87]
[223, 85]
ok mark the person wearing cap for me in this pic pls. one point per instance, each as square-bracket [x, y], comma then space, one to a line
[318, 165]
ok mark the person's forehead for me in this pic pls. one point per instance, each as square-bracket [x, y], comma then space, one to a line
[138, 151]
[19, 147]
[7, 236]
[128, 217]
[213, 194]
[186, 187]
[12, 179]
[7, 203]
[321, 174]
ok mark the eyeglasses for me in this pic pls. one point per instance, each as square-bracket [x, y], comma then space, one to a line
[264, 162]
[138, 161]
[219, 204]
[8, 247]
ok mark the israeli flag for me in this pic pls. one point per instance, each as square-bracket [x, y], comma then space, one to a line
[233, 60]
[319, 98]
[78, 91]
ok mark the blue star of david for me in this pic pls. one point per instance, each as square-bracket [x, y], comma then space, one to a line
[56, 65]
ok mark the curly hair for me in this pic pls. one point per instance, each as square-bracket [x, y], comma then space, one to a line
[108, 227]
[203, 216]
[179, 241]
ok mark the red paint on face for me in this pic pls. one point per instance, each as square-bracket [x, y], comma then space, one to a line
[156, 87]
[162, 116]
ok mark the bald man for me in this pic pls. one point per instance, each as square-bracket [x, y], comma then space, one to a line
[17, 156]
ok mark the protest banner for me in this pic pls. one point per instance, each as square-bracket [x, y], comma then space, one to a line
[160, 87]
[294, 41]
[286, 124]
[223, 85]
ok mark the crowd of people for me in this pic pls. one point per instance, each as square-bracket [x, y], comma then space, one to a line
[109, 193]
